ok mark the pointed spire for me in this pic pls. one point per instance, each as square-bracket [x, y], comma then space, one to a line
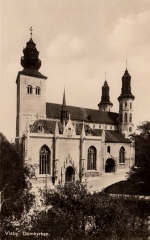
[30, 59]
[126, 86]
[64, 111]
[105, 99]
[64, 98]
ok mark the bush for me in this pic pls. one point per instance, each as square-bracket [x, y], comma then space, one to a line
[73, 213]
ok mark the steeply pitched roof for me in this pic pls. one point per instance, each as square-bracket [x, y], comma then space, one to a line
[53, 111]
[115, 137]
[48, 126]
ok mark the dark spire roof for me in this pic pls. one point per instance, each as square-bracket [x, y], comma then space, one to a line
[126, 86]
[105, 99]
[64, 99]
[30, 60]
[64, 110]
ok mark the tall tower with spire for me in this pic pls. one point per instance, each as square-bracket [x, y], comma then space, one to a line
[105, 103]
[126, 99]
[31, 89]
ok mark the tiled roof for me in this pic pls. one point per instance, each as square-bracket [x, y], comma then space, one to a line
[47, 126]
[115, 137]
[88, 130]
[53, 111]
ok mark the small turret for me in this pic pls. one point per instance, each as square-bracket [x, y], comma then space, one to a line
[105, 103]
[125, 99]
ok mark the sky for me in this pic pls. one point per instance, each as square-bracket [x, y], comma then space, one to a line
[78, 42]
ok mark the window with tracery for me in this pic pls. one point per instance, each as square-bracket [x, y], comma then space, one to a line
[29, 89]
[91, 163]
[44, 167]
[122, 155]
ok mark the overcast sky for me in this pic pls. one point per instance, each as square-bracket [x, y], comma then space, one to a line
[78, 40]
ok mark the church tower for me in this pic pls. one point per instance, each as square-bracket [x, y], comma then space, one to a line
[126, 106]
[31, 90]
[105, 103]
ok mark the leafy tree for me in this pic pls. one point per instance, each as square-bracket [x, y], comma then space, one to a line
[73, 213]
[14, 186]
[139, 175]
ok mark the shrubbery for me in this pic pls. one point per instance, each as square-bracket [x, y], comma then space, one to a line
[73, 213]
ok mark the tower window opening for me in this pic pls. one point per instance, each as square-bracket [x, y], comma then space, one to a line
[126, 104]
[29, 89]
[44, 166]
[125, 118]
[130, 105]
[130, 117]
[91, 164]
[37, 91]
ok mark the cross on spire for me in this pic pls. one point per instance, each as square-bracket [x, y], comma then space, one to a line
[31, 31]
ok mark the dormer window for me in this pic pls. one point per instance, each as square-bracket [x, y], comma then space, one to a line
[29, 89]
[37, 91]
[40, 128]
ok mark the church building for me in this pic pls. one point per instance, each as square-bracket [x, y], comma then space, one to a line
[65, 143]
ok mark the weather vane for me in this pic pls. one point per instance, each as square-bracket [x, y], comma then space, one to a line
[126, 62]
[31, 30]
[105, 76]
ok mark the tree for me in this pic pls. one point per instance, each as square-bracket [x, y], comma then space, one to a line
[14, 186]
[74, 213]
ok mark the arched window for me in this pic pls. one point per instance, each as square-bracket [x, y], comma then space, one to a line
[130, 129]
[37, 91]
[126, 104]
[122, 155]
[130, 105]
[29, 89]
[44, 167]
[130, 119]
[91, 164]
[108, 149]
[125, 117]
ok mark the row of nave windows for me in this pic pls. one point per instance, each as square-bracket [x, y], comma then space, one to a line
[30, 90]
[45, 158]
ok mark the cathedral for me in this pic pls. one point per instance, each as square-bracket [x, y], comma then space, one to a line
[65, 143]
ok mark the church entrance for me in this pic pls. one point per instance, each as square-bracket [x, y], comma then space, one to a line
[110, 165]
[70, 175]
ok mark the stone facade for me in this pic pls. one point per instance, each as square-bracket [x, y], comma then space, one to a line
[65, 143]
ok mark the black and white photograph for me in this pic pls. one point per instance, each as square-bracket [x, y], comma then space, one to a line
[75, 120]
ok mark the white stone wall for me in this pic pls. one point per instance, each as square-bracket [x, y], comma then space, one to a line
[29, 106]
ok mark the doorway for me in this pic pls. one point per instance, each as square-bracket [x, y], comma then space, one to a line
[70, 175]
[110, 165]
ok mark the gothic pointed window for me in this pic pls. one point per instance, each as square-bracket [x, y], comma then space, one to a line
[44, 167]
[122, 155]
[37, 91]
[29, 89]
[91, 163]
